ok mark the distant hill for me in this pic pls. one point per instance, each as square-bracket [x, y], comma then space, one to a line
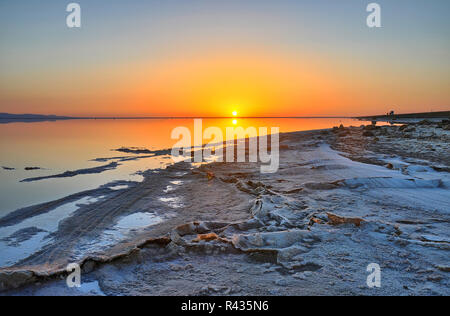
[32, 116]
[11, 118]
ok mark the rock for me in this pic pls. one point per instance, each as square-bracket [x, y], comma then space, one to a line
[425, 122]
[338, 220]
[314, 220]
[436, 239]
[434, 278]
[390, 166]
[303, 275]
[444, 268]
[288, 255]
[369, 127]
[273, 242]
[272, 269]
[208, 237]
[15, 279]
[299, 275]
[368, 134]
[281, 282]
[176, 267]
[210, 288]
[88, 266]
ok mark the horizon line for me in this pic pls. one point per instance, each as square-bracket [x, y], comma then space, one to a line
[164, 117]
[201, 117]
[53, 116]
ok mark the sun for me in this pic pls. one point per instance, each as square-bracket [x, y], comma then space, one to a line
[234, 113]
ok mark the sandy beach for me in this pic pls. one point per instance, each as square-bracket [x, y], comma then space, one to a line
[342, 199]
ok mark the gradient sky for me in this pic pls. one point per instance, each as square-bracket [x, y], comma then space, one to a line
[209, 57]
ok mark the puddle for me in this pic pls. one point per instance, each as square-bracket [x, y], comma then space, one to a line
[11, 254]
[119, 233]
[119, 187]
[15, 245]
[173, 202]
[138, 221]
[48, 221]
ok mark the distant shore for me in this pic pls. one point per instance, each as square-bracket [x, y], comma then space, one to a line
[6, 118]
[16, 118]
[409, 117]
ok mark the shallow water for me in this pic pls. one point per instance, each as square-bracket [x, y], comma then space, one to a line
[120, 232]
[13, 249]
[59, 146]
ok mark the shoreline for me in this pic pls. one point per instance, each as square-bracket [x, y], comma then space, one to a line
[251, 211]
[408, 117]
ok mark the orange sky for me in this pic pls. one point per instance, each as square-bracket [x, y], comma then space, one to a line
[215, 83]
[285, 58]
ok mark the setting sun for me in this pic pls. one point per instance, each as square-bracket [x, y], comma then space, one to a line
[234, 113]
